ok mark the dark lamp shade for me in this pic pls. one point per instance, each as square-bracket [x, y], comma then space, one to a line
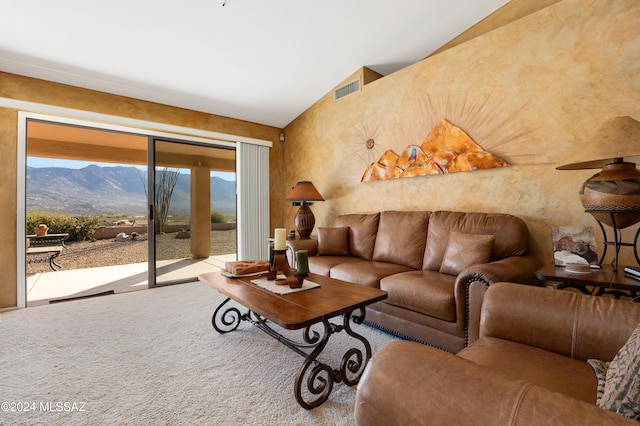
[304, 191]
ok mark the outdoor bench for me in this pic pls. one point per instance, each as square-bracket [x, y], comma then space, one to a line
[46, 248]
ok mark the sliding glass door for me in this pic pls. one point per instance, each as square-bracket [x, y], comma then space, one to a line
[85, 187]
[131, 172]
[90, 188]
[192, 210]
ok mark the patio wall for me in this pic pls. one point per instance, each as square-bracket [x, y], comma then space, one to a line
[104, 232]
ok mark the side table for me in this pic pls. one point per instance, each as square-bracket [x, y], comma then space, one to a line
[308, 244]
[604, 280]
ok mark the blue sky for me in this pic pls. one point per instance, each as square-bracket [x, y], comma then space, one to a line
[72, 164]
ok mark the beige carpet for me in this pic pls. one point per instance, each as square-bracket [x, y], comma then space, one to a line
[152, 358]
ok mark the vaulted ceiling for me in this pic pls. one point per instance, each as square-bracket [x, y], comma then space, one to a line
[264, 61]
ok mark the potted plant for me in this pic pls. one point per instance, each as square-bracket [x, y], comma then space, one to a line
[41, 230]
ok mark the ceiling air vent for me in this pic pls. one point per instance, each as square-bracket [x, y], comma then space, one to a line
[347, 89]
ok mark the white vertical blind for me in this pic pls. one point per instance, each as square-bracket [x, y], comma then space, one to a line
[252, 174]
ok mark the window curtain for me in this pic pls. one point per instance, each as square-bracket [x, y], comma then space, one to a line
[252, 174]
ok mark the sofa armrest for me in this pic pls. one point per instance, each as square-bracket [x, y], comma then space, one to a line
[472, 282]
[410, 383]
[517, 269]
[309, 244]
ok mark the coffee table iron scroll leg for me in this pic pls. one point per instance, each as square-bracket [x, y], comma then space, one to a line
[226, 321]
[321, 378]
[349, 364]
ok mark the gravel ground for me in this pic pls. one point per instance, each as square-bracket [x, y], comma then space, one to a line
[91, 254]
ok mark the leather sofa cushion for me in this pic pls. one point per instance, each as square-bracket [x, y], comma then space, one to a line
[464, 250]
[401, 238]
[366, 272]
[362, 232]
[550, 370]
[510, 231]
[322, 265]
[426, 292]
[333, 241]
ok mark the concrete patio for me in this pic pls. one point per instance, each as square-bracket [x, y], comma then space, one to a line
[51, 287]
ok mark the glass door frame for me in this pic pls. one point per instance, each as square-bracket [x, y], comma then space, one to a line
[152, 202]
[151, 213]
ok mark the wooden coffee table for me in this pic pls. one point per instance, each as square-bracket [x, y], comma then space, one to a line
[300, 310]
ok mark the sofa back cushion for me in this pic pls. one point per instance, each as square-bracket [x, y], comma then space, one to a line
[333, 241]
[565, 322]
[511, 234]
[401, 238]
[464, 250]
[362, 232]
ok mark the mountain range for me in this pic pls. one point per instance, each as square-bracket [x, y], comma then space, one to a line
[113, 190]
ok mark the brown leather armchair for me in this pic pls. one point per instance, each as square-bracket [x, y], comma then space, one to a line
[528, 366]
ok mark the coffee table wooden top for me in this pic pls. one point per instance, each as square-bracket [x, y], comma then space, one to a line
[300, 309]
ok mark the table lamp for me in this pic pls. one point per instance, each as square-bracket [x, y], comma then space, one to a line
[612, 196]
[303, 192]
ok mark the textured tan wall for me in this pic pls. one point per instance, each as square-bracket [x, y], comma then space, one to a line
[532, 91]
[8, 191]
[510, 12]
[33, 90]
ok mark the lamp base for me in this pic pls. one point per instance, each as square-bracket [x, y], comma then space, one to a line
[304, 221]
[612, 195]
[612, 198]
[617, 243]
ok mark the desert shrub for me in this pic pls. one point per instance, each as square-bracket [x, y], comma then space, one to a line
[218, 217]
[79, 228]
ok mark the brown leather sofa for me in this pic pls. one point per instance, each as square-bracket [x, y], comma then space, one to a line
[528, 367]
[435, 267]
